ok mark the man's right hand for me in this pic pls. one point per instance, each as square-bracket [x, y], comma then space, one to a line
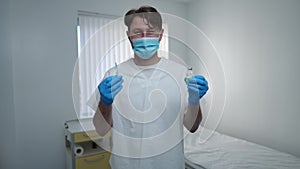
[109, 88]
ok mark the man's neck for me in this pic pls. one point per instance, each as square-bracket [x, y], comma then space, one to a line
[146, 62]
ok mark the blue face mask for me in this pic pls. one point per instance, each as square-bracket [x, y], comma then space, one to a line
[145, 47]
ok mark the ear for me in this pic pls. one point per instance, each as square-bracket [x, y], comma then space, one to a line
[129, 39]
[161, 34]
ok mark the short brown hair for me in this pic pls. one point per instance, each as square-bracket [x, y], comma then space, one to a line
[148, 13]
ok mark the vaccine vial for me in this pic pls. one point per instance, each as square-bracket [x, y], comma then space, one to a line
[189, 74]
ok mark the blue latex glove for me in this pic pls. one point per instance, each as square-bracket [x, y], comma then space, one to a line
[109, 88]
[197, 87]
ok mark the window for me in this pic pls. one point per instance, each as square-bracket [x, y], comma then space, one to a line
[102, 42]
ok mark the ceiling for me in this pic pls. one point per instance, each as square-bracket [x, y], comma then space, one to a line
[185, 1]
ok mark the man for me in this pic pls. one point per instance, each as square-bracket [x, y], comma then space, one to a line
[149, 102]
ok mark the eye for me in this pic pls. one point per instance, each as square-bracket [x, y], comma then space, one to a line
[151, 33]
[138, 33]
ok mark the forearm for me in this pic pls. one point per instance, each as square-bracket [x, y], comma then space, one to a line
[192, 118]
[103, 119]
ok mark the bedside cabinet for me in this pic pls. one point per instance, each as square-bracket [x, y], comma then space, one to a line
[81, 150]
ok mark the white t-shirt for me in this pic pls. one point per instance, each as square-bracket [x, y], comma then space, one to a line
[147, 116]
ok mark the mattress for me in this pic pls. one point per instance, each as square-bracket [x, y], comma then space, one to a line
[225, 152]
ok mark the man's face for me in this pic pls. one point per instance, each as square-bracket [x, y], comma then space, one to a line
[139, 28]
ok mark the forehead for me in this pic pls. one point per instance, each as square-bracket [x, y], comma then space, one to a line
[139, 23]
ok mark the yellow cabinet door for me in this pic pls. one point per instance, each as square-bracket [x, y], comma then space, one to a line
[97, 161]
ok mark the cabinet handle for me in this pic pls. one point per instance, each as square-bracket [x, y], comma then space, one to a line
[95, 160]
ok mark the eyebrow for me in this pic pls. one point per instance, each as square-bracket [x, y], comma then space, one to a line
[138, 29]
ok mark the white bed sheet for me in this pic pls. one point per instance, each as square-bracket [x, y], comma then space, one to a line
[224, 152]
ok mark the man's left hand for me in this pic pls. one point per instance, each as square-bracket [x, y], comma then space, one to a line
[197, 88]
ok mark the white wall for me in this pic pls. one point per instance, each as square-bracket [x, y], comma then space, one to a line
[36, 74]
[7, 121]
[258, 42]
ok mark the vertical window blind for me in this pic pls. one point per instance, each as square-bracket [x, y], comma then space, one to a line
[102, 42]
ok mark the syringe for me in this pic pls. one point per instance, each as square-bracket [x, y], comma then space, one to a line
[189, 74]
[116, 69]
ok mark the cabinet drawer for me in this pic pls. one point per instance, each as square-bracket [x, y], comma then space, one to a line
[97, 161]
[85, 136]
[89, 135]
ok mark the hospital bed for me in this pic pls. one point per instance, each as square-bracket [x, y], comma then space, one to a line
[221, 151]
